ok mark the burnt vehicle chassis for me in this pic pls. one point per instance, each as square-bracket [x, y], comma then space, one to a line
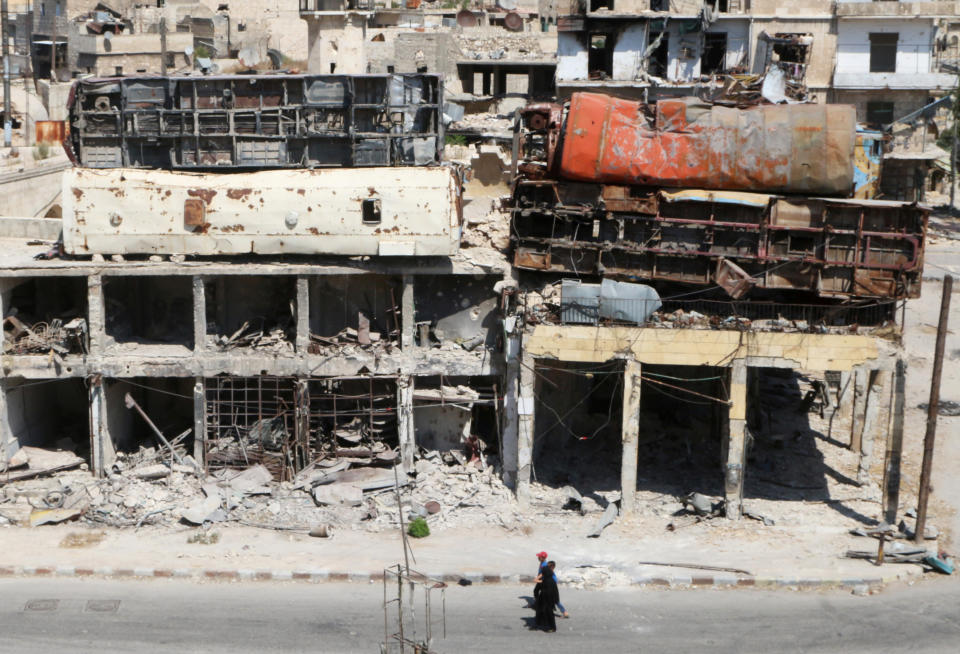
[256, 121]
[832, 248]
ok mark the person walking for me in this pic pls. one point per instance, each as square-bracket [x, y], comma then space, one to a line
[552, 567]
[542, 559]
[547, 599]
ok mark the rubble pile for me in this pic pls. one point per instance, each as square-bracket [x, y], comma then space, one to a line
[275, 339]
[483, 124]
[544, 307]
[491, 230]
[349, 340]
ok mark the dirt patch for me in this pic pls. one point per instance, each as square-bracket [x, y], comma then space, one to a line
[78, 539]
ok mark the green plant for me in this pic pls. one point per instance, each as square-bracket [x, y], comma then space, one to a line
[201, 52]
[418, 528]
[455, 139]
[204, 538]
[41, 151]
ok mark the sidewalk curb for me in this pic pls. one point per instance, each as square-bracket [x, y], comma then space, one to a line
[662, 582]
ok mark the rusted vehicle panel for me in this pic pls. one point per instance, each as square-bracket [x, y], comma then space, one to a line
[686, 144]
[256, 121]
[398, 211]
[740, 242]
[49, 131]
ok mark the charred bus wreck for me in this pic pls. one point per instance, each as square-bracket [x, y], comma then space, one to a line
[256, 121]
[747, 199]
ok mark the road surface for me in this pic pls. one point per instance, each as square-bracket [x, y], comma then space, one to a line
[84, 615]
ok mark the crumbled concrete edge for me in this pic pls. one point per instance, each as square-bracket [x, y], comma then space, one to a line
[665, 582]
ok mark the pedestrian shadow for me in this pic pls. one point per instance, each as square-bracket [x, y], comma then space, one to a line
[528, 599]
[530, 623]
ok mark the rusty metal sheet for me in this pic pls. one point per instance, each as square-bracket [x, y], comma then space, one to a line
[194, 212]
[527, 258]
[626, 199]
[771, 148]
[733, 279]
[50, 131]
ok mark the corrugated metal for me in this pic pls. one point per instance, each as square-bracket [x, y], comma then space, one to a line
[384, 211]
[775, 148]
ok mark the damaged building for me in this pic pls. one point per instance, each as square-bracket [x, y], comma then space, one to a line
[271, 278]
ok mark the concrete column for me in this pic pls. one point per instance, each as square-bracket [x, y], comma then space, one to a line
[199, 421]
[96, 314]
[7, 440]
[525, 428]
[101, 447]
[407, 314]
[630, 437]
[871, 421]
[859, 384]
[405, 427]
[735, 444]
[303, 314]
[891, 463]
[199, 314]
[511, 418]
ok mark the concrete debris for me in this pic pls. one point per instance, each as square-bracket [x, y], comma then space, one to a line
[206, 510]
[53, 516]
[609, 515]
[151, 472]
[338, 494]
[31, 462]
[321, 531]
[275, 339]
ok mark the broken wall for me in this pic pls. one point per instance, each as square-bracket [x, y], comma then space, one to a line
[822, 59]
[459, 308]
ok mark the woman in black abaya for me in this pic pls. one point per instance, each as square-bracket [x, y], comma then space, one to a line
[549, 596]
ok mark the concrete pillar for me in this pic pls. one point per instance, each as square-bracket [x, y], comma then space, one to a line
[7, 441]
[199, 421]
[405, 427]
[407, 314]
[511, 418]
[630, 437]
[303, 314]
[871, 421]
[525, 428]
[96, 314]
[101, 446]
[860, 383]
[199, 314]
[735, 444]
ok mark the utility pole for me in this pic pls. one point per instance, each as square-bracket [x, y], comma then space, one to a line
[932, 408]
[53, 48]
[7, 111]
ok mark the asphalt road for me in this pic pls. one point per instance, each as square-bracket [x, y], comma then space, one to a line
[57, 615]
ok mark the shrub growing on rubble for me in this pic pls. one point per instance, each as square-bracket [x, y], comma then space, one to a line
[418, 528]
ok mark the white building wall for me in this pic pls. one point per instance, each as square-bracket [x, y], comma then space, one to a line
[627, 52]
[914, 44]
[571, 57]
